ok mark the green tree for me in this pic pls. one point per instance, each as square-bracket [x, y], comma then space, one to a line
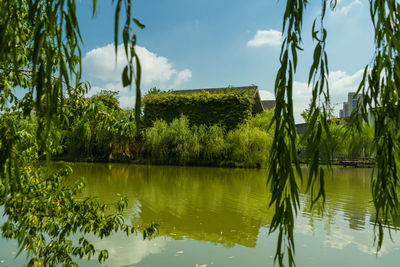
[107, 98]
[40, 53]
[380, 96]
[361, 143]
[332, 140]
[335, 143]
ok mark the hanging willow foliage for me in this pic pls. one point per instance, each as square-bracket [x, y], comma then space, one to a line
[283, 176]
[380, 90]
[380, 93]
[40, 52]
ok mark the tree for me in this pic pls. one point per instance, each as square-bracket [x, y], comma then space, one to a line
[332, 141]
[362, 141]
[107, 98]
[333, 144]
[380, 88]
[40, 53]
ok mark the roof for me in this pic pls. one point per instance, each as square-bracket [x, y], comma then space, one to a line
[268, 104]
[253, 90]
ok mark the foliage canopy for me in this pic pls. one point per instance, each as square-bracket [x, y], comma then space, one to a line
[40, 53]
[228, 108]
[379, 91]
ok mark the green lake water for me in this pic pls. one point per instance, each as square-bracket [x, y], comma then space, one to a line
[220, 217]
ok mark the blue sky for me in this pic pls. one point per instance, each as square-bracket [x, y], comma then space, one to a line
[203, 43]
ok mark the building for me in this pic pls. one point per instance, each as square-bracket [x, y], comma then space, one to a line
[341, 113]
[224, 106]
[350, 106]
[252, 90]
[346, 112]
[268, 104]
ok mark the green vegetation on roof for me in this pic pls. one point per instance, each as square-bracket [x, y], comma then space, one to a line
[224, 106]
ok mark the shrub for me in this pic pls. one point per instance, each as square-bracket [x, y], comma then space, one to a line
[262, 121]
[227, 109]
[179, 143]
[172, 143]
[212, 141]
[249, 146]
[156, 140]
[99, 131]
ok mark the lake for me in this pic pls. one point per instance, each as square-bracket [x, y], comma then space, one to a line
[220, 217]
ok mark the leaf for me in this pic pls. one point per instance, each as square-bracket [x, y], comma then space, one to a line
[125, 35]
[116, 26]
[94, 2]
[138, 23]
[125, 78]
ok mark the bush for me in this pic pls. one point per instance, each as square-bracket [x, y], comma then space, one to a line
[262, 121]
[98, 132]
[227, 109]
[174, 143]
[179, 143]
[101, 133]
[212, 141]
[249, 146]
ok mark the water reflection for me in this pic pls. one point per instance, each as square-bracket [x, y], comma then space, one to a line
[210, 204]
[227, 206]
[227, 209]
[127, 251]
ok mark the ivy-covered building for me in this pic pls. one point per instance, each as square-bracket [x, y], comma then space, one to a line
[225, 106]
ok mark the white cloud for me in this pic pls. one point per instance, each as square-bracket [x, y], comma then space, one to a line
[112, 86]
[94, 90]
[266, 95]
[340, 83]
[127, 101]
[101, 63]
[266, 38]
[183, 76]
[301, 99]
[104, 69]
[125, 97]
[154, 68]
[343, 7]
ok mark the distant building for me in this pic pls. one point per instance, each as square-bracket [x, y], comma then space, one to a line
[341, 113]
[350, 106]
[346, 112]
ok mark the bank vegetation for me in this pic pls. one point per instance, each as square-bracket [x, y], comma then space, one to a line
[96, 129]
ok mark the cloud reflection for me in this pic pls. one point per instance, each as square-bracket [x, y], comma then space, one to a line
[128, 251]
